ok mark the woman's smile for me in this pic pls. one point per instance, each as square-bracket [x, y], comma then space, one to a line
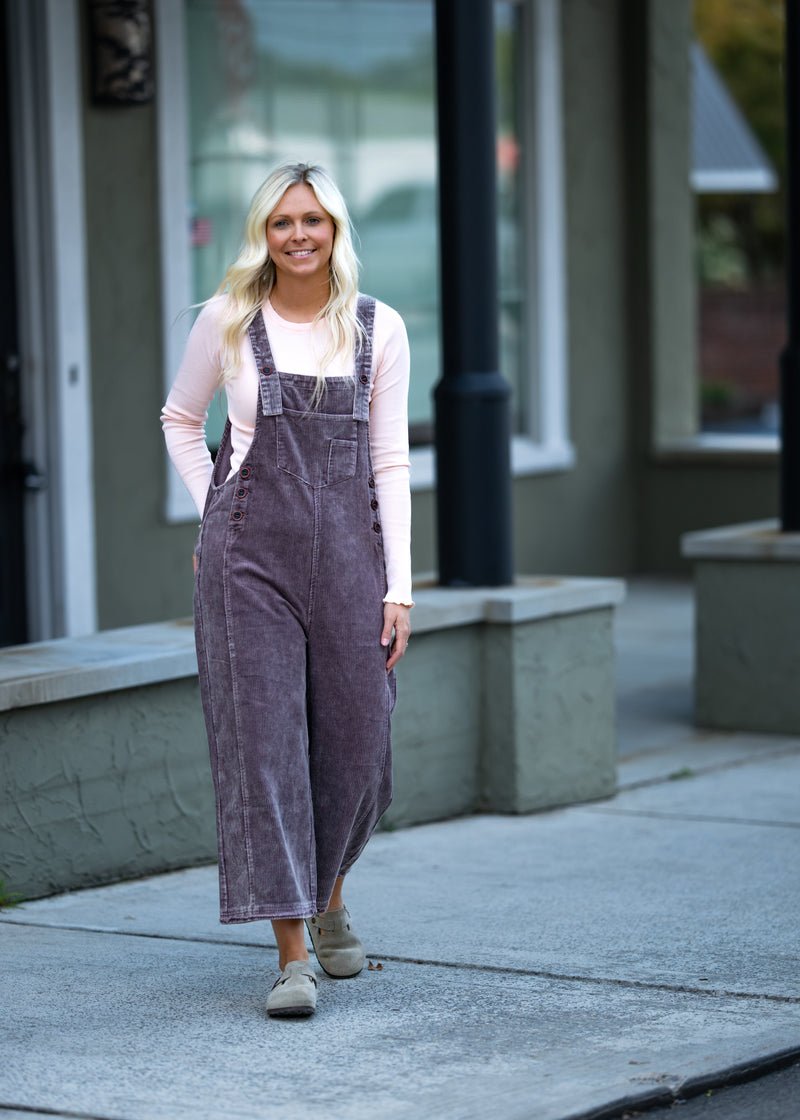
[299, 230]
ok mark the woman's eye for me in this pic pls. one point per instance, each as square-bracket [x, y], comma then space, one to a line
[314, 221]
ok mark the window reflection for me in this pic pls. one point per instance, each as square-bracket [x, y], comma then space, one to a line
[349, 84]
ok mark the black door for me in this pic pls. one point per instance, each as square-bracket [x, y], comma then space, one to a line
[12, 473]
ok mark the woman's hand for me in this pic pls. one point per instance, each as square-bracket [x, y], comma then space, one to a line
[395, 617]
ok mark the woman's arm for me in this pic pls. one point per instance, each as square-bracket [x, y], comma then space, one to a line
[184, 415]
[389, 448]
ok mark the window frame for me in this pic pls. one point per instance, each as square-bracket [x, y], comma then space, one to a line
[51, 257]
[545, 445]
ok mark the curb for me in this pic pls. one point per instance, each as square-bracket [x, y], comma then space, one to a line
[739, 1074]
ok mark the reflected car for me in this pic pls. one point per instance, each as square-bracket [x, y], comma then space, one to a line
[399, 248]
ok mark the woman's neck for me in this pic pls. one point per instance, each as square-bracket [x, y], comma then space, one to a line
[298, 302]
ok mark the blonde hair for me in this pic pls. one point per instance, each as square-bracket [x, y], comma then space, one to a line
[251, 277]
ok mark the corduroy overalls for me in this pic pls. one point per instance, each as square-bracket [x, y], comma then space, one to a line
[288, 618]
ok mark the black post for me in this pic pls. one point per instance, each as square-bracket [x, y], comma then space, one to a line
[472, 399]
[790, 358]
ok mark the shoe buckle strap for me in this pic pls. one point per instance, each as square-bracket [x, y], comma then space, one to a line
[325, 924]
[307, 974]
[329, 925]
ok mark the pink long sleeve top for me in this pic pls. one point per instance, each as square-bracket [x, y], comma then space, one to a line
[297, 348]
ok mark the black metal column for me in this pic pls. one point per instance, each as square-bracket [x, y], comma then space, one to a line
[790, 358]
[472, 399]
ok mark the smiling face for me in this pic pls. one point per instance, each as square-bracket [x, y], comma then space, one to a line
[300, 235]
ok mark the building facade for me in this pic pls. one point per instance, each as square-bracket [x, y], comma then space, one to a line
[119, 216]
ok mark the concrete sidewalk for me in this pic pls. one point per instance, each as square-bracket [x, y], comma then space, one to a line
[569, 964]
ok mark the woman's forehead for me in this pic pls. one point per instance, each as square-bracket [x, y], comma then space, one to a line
[300, 197]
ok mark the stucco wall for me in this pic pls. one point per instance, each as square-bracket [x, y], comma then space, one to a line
[681, 497]
[144, 566]
[579, 521]
[748, 649]
[105, 787]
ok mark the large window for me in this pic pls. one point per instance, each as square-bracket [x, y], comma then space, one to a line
[351, 84]
[739, 159]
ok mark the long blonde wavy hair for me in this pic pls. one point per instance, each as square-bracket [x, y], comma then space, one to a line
[251, 277]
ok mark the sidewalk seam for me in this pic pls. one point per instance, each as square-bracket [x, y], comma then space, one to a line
[700, 771]
[44, 1110]
[465, 966]
[696, 817]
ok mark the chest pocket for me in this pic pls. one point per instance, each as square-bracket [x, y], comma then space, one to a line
[318, 448]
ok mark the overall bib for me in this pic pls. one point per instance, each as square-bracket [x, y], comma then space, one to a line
[288, 618]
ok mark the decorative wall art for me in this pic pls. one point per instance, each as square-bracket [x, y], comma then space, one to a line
[121, 47]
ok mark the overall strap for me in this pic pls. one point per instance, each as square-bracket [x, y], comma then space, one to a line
[366, 317]
[268, 381]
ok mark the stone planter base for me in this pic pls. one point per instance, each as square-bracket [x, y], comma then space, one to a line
[747, 588]
[506, 704]
[506, 700]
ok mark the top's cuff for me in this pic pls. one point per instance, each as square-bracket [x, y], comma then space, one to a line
[401, 600]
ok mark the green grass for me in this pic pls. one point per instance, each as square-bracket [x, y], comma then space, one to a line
[8, 899]
[684, 772]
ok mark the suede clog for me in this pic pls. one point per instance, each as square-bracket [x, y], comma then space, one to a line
[294, 993]
[339, 952]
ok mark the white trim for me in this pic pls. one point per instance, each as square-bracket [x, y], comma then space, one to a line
[53, 302]
[734, 448]
[527, 458]
[173, 195]
[721, 441]
[71, 352]
[549, 284]
[753, 181]
[423, 468]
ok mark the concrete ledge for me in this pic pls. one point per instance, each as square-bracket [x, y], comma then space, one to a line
[747, 591]
[531, 597]
[46, 672]
[506, 704]
[754, 540]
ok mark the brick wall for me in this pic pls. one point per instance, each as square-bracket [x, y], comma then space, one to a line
[741, 334]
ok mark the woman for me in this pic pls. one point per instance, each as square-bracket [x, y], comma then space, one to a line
[303, 573]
